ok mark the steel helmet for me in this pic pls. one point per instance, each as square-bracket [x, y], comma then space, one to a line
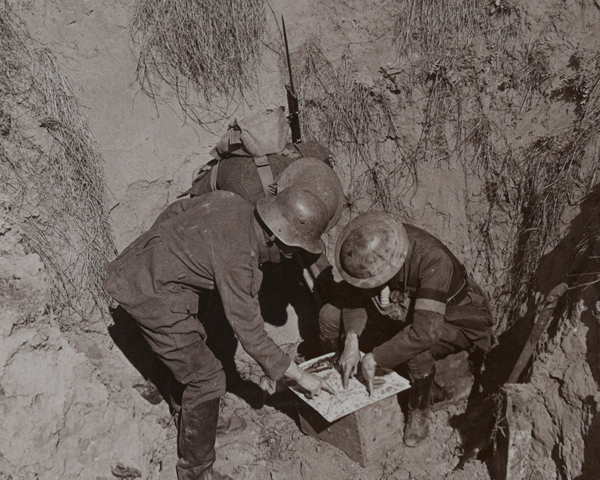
[296, 217]
[371, 249]
[320, 179]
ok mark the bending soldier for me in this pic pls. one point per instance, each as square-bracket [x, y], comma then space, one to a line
[165, 280]
[240, 175]
[410, 284]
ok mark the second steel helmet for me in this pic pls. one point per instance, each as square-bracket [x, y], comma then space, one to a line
[371, 249]
[319, 178]
[296, 217]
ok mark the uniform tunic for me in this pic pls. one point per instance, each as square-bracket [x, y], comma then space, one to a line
[433, 300]
[164, 278]
[239, 174]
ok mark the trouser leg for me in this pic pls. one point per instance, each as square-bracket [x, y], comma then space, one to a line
[221, 340]
[341, 296]
[453, 340]
[201, 375]
[330, 320]
[417, 423]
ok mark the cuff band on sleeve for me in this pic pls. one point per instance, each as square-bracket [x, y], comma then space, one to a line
[430, 305]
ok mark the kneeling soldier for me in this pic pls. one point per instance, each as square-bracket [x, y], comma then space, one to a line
[413, 286]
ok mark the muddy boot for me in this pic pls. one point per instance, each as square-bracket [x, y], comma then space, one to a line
[417, 423]
[197, 435]
[213, 475]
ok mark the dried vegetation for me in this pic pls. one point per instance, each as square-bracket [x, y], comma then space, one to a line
[51, 172]
[207, 52]
[471, 73]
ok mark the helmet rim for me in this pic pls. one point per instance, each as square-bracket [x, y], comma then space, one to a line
[392, 266]
[295, 169]
[275, 219]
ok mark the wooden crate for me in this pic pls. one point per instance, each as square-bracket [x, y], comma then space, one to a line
[365, 436]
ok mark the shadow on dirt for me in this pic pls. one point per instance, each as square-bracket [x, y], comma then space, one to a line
[129, 339]
[575, 256]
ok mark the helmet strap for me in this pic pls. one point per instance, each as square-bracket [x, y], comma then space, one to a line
[271, 240]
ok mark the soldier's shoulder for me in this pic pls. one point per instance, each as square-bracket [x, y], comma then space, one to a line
[222, 198]
[425, 243]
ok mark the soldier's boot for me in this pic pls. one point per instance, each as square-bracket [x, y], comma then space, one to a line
[417, 423]
[213, 475]
[197, 436]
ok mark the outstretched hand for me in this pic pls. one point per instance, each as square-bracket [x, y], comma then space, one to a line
[311, 384]
[349, 359]
[367, 368]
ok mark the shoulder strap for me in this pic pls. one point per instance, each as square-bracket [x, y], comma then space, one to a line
[264, 172]
[408, 288]
[213, 177]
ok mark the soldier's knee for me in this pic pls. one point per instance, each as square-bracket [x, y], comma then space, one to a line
[330, 318]
[205, 387]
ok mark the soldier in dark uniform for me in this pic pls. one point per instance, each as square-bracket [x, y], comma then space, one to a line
[407, 280]
[240, 174]
[165, 280]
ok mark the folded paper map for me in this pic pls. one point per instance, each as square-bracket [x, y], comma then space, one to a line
[355, 397]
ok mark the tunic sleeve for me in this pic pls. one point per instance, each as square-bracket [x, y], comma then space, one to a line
[435, 275]
[238, 288]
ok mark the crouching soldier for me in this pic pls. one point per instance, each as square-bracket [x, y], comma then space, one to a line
[413, 286]
[164, 280]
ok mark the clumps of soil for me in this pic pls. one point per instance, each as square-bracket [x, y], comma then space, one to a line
[68, 407]
[552, 419]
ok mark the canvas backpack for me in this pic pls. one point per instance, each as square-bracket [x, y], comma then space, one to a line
[250, 156]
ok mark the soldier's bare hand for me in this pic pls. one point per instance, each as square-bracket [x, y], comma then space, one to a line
[367, 368]
[313, 384]
[349, 359]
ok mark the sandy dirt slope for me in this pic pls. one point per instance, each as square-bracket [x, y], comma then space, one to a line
[71, 402]
[73, 406]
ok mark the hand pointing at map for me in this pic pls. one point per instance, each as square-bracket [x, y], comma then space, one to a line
[367, 368]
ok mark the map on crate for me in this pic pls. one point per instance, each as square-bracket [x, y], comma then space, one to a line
[355, 397]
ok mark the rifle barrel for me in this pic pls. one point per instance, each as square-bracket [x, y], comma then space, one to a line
[287, 55]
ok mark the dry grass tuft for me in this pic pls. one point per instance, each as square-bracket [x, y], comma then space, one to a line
[465, 69]
[358, 123]
[51, 171]
[517, 212]
[443, 29]
[207, 52]
[526, 192]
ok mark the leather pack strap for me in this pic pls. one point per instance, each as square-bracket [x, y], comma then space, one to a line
[264, 172]
[213, 177]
